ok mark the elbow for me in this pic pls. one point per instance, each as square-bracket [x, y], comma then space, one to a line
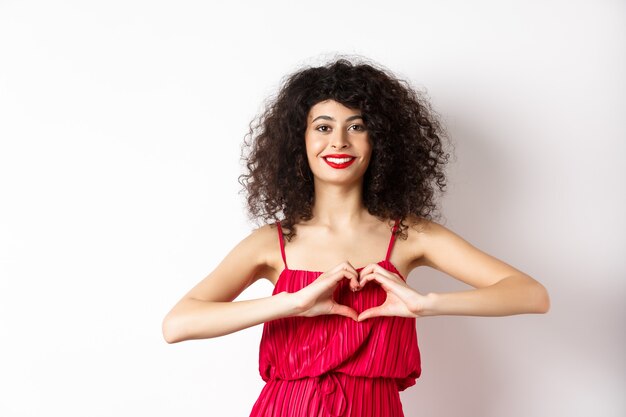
[170, 330]
[541, 299]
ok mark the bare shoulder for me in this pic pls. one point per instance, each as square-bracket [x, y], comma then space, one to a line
[263, 246]
[434, 245]
[420, 229]
[425, 236]
[252, 258]
[412, 246]
[265, 243]
[425, 241]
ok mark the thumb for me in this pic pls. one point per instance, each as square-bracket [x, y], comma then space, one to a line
[371, 312]
[343, 311]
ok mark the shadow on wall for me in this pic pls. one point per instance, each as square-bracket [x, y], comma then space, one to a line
[459, 377]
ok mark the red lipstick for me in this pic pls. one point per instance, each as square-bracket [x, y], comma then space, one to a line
[339, 160]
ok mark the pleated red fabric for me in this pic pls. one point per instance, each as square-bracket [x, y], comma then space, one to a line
[331, 365]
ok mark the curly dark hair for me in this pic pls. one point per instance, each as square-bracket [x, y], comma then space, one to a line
[408, 156]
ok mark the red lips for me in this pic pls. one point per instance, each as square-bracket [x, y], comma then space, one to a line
[339, 160]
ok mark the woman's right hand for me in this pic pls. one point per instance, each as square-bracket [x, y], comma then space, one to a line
[317, 298]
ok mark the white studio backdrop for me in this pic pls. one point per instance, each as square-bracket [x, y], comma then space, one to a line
[120, 131]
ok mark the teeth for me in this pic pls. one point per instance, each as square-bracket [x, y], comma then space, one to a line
[338, 160]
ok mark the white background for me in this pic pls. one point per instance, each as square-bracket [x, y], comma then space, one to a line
[121, 124]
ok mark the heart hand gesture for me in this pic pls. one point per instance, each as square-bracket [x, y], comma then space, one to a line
[317, 298]
[402, 300]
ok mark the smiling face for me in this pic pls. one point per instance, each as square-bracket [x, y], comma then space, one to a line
[337, 143]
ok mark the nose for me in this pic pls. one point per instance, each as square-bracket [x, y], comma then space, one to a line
[339, 141]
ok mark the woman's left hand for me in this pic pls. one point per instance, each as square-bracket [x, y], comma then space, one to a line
[402, 300]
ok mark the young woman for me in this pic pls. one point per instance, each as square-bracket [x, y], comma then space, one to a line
[344, 167]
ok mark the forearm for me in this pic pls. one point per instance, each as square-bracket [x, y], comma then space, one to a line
[197, 319]
[512, 295]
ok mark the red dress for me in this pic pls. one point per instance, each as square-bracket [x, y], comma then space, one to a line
[331, 365]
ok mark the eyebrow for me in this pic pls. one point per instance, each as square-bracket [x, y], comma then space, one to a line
[323, 116]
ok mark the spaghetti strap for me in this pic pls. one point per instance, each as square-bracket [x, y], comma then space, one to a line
[282, 243]
[392, 240]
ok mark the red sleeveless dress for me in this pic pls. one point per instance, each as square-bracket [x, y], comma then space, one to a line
[331, 365]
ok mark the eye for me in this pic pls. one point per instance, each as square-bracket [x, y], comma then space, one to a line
[323, 128]
[357, 127]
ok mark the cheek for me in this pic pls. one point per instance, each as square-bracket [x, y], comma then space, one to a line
[311, 152]
[367, 148]
[313, 146]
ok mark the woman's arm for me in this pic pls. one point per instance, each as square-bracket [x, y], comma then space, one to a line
[500, 289]
[208, 310]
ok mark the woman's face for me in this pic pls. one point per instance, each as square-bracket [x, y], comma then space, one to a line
[337, 143]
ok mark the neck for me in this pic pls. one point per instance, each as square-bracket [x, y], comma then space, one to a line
[338, 205]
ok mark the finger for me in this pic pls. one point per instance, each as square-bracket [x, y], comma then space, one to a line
[371, 268]
[372, 312]
[396, 286]
[368, 269]
[343, 274]
[344, 311]
[345, 265]
[384, 281]
[386, 274]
